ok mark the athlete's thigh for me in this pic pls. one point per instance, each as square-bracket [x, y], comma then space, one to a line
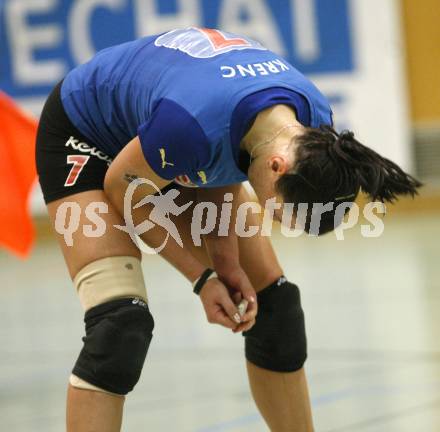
[257, 256]
[85, 228]
[71, 172]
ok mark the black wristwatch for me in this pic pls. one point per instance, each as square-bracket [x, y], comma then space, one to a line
[200, 282]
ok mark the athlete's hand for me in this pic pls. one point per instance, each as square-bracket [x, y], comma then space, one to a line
[240, 288]
[218, 304]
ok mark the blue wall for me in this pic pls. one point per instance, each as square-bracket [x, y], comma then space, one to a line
[45, 36]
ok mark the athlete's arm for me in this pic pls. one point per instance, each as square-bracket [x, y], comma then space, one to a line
[127, 166]
[224, 253]
[130, 165]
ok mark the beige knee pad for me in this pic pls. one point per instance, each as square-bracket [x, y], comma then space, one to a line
[84, 385]
[109, 279]
[105, 280]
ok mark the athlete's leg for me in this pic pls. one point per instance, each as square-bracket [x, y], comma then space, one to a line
[105, 265]
[86, 249]
[89, 410]
[281, 397]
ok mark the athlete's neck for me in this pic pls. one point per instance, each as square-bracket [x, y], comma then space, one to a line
[270, 124]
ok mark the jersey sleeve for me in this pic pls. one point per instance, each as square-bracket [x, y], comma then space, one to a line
[173, 142]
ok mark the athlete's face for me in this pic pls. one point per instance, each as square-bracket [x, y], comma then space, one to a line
[270, 163]
[263, 175]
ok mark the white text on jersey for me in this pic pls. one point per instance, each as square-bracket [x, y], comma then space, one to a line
[254, 69]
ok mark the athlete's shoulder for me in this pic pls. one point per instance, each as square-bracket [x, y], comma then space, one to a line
[174, 147]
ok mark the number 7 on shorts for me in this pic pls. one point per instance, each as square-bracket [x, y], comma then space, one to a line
[79, 162]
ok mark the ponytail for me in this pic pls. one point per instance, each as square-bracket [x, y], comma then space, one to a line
[377, 176]
[332, 167]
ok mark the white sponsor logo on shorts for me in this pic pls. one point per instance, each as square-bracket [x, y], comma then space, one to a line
[85, 148]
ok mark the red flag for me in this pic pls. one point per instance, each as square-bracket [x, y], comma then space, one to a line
[17, 176]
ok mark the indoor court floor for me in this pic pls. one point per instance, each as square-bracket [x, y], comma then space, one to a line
[373, 320]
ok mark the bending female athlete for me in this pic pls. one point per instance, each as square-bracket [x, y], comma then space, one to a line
[204, 111]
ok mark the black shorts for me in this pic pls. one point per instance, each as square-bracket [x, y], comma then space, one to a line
[67, 162]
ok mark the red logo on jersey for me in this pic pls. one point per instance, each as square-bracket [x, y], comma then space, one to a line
[184, 180]
[219, 41]
[204, 42]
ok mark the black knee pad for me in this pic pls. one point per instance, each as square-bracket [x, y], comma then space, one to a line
[277, 341]
[118, 334]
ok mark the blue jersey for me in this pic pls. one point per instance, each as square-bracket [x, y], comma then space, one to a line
[190, 95]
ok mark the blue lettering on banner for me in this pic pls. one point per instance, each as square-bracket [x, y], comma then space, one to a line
[40, 41]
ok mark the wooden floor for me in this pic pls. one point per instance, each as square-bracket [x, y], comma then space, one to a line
[373, 320]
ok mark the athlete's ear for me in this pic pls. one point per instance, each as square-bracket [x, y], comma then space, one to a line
[278, 165]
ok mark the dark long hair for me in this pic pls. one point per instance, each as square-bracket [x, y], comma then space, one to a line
[332, 167]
